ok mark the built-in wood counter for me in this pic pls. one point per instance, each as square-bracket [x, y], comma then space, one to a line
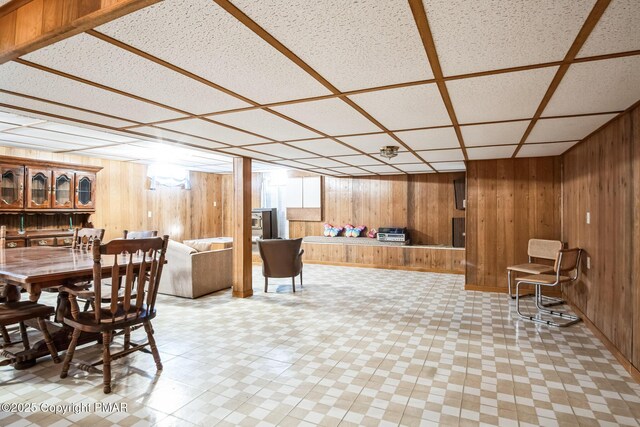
[356, 253]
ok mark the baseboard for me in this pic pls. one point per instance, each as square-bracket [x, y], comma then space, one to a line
[626, 363]
[385, 267]
[496, 289]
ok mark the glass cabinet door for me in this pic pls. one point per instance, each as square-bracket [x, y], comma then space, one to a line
[85, 190]
[38, 188]
[11, 187]
[63, 189]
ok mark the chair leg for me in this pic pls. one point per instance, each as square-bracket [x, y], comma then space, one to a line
[127, 337]
[266, 283]
[509, 283]
[69, 356]
[73, 309]
[24, 336]
[152, 344]
[48, 340]
[106, 360]
[87, 305]
[300, 278]
[5, 335]
[293, 283]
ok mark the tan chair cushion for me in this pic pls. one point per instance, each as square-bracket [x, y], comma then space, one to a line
[531, 268]
[543, 279]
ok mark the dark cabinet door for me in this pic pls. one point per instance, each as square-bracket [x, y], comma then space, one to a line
[85, 190]
[63, 189]
[38, 188]
[11, 186]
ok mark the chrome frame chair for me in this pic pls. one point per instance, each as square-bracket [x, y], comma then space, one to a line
[537, 249]
[567, 262]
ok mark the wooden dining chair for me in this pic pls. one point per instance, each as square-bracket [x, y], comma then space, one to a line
[19, 312]
[139, 263]
[84, 238]
[139, 234]
[566, 270]
[281, 258]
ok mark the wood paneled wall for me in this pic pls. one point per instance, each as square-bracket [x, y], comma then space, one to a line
[424, 203]
[123, 202]
[509, 201]
[602, 176]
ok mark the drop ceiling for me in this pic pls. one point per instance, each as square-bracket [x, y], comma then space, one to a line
[322, 85]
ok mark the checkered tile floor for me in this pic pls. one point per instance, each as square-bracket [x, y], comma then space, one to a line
[353, 347]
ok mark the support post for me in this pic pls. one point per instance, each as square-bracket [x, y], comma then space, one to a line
[242, 265]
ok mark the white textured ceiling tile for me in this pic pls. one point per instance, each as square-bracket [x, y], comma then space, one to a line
[404, 157]
[616, 31]
[430, 139]
[473, 36]
[331, 116]
[90, 58]
[59, 136]
[292, 163]
[103, 154]
[350, 170]
[405, 108]
[322, 171]
[283, 151]
[266, 124]
[5, 126]
[167, 134]
[449, 166]
[415, 167]
[375, 42]
[381, 169]
[18, 119]
[542, 150]
[567, 129]
[322, 162]
[499, 97]
[369, 143]
[359, 160]
[597, 87]
[441, 155]
[30, 81]
[246, 153]
[204, 129]
[22, 145]
[80, 131]
[324, 147]
[45, 144]
[46, 107]
[184, 32]
[494, 134]
[484, 153]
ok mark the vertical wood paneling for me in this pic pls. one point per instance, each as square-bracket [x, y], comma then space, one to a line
[509, 201]
[601, 176]
[242, 283]
[424, 203]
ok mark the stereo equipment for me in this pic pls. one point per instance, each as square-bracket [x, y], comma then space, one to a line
[393, 234]
[264, 223]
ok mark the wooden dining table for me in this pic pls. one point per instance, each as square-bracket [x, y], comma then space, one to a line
[38, 268]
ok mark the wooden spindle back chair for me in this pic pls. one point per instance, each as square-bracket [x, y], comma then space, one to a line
[84, 238]
[137, 268]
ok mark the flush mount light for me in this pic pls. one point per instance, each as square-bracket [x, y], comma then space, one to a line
[389, 151]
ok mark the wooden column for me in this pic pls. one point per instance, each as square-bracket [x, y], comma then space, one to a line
[28, 25]
[241, 223]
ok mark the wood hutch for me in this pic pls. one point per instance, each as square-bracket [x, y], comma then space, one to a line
[42, 201]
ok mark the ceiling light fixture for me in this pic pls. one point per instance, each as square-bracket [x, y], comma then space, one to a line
[389, 151]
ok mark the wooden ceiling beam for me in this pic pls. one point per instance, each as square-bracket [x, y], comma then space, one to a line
[588, 26]
[420, 17]
[26, 26]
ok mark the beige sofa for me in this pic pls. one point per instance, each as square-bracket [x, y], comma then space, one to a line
[191, 274]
